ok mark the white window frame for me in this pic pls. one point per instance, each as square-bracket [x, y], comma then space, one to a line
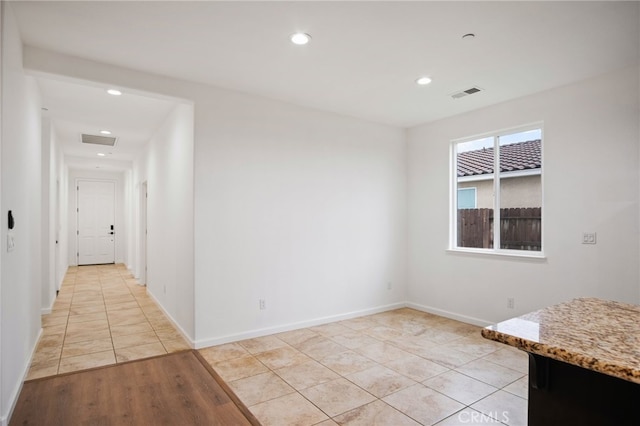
[453, 195]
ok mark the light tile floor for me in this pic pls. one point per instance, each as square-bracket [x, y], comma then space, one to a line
[100, 317]
[402, 367]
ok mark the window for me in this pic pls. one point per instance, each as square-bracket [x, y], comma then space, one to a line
[497, 182]
[467, 198]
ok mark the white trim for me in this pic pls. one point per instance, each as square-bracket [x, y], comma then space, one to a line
[13, 400]
[514, 254]
[184, 334]
[46, 311]
[503, 175]
[451, 315]
[259, 332]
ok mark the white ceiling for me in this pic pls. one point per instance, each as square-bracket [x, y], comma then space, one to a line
[364, 56]
[75, 109]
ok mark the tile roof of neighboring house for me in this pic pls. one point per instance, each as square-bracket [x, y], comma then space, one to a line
[513, 157]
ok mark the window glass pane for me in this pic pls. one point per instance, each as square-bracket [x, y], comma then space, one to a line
[521, 191]
[467, 198]
[474, 168]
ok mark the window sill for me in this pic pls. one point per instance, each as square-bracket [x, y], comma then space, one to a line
[507, 254]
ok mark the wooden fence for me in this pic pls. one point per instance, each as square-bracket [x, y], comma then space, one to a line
[520, 228]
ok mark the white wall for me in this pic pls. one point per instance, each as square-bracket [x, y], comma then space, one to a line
[20, 282]
[590, 183]
[167, 167]
[72, 219]
[302, 208]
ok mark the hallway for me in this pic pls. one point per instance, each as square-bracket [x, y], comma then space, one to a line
[101, 317]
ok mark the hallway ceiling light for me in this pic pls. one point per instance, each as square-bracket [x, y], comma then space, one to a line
[114, 92]
[423, 81]
[300, 38]
[105, 132]
[101, 154]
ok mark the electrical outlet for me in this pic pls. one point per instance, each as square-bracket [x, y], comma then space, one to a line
[511, 303]
[588, 238]
[263, 304]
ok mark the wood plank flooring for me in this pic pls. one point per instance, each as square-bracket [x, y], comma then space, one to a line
[175, 389]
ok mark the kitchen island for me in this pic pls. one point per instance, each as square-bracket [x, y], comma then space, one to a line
[584, 361]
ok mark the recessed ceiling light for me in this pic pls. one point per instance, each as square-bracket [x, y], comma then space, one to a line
[468, 36]
[300, 38]
[114, 92]
[105, 132]
[423, 81]
[100, 154]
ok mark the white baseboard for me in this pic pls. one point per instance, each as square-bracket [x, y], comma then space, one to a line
[13, 400]
[204, 343]
[173, 321]
[451, 315]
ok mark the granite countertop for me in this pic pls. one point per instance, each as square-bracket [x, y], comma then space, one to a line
[595, 334]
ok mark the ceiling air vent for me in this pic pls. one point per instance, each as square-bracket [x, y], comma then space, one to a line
[99, 140]
[467, 92]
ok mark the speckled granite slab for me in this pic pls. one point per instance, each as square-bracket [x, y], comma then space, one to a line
[595, 334]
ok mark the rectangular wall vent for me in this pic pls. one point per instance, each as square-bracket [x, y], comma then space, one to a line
[466, 92]
[98, 140]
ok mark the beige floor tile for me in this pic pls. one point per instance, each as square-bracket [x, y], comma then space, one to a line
[43, 369]
[416, 368]
[86, 347]
[124, 305]
[476, 346]
[87, 326]
[260, 388]
[47, 352]
[505, 407]
[138, 352]
[285, 356]
[262, 344]
[347, 362]
[123, 330]
[331, 329]
[177, 345]
[450, 358]
[98, 316]
[380, 381]
[224, 352]
[168, 334]
[128, 340]
[54, 319]
[82, 310]
[337, 396]
[382, 352]
[83, 335]
[320, 347]
[462, 388]
[290, 409]
[515, 360]
[239, 368]
[361, 323]
[307, 374]
[353, 340]
[83, 362]
[423, 404]
[490, 373]
[375, 413]
[160, 324]
[382, 333]
[296, 337]
[468, 416]
[519, 387]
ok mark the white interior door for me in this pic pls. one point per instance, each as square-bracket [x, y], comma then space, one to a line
[96, 227]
